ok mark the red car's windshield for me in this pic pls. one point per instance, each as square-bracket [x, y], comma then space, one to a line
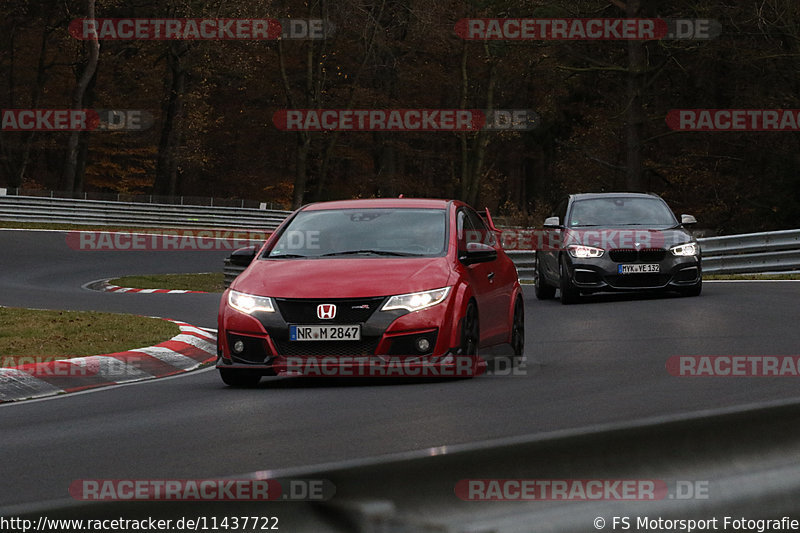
[363, 233]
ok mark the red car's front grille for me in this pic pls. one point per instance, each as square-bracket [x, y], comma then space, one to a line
[365, 346]
[348, 311]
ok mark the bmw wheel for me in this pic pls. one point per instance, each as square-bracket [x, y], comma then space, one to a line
[569, 293]
[694, 290]
[544, 291]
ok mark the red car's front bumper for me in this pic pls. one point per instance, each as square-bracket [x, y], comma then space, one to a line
[387, 338]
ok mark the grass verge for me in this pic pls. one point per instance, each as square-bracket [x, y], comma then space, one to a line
[50, 335]
[207, 282]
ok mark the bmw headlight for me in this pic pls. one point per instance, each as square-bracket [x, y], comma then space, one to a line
[685, 250]
[584, 252]
[416, 300]
[247, 303]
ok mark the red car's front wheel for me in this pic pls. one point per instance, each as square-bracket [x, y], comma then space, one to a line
[518, 328]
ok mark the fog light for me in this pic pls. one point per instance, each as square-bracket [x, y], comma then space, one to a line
[422, 344]
[238, 346]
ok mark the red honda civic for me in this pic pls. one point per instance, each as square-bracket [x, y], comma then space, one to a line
[418, 280]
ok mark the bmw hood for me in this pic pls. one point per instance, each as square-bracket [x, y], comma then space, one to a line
[627, 237]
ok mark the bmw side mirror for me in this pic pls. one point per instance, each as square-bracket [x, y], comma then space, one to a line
[477, 252]
[688, 220]
[552, 222]
[243, 256]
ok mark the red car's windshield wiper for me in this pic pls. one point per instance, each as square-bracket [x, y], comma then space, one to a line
[375, 252]
[286, 256]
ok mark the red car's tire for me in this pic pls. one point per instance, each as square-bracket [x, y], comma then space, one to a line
[518, 328]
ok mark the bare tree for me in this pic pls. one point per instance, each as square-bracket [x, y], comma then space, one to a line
[634, 113]
[474, 145]
[166, 182]
[89, 68]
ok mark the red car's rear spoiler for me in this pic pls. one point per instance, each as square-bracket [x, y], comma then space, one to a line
[489, 222]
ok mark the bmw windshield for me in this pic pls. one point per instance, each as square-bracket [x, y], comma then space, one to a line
[621, 211]
[362, 233]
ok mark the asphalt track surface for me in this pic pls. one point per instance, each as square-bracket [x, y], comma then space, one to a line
[599, 362]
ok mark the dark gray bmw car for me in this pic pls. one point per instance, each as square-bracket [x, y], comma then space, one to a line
[616, 242]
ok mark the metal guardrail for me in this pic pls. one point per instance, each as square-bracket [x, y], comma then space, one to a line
[777, 251]
[231, 271]
[749, 253]
[108, 213]
[525, 261]
[140, 198]
[774, 251]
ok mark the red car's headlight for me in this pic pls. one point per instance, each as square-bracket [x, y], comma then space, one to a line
[247, 303]
[416, 300]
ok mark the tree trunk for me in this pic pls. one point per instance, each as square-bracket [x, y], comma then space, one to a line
[166, 182]
[334, 137]
[35, 97]
[635, 113]
[7, 170]
[301, 169]
[473, 154]
[71, 159]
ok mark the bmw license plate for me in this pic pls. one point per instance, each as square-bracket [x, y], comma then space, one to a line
[325, 333]
[638, 269]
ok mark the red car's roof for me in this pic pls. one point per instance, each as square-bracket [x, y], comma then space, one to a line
[423, 203]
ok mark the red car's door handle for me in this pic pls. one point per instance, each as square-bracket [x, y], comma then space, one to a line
[490, 275]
